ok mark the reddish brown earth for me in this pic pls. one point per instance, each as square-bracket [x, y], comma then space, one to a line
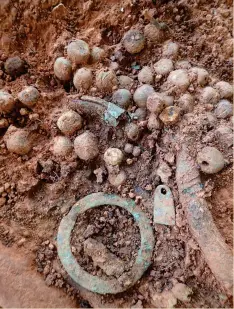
[43, 188]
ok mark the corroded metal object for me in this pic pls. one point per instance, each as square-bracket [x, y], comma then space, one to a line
[110, 110]
[164, 211]
[217, 253]
[75, 271]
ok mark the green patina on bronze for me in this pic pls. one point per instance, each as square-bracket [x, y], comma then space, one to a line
[164, 210]
[75, 271]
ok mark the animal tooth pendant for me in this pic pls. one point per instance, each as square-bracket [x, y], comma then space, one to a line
[164, 210]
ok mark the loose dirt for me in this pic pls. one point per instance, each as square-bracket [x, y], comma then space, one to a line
[38, 188]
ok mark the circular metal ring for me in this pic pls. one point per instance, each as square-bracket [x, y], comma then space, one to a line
[76, 272]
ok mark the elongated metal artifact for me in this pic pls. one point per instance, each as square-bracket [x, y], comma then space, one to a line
[89, 104]
[216, 252]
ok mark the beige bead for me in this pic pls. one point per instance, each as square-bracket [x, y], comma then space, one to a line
[63, 69]
[82, 79]
[18, 140]
[170, 115]
[7, 102]
[86, 146]
[117, 180]
[113, 156]
[134, 41]
[78, 52]
[153, 34]
[163, 66]
[145, 75]
[29, 96]
[180, 79]
[106, 80]
[209, 95]
[141, 95]
[69, 122]
[210, 160]
[97, 54]
[62, 146]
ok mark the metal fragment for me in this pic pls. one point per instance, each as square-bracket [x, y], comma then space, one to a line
[110, 111]
[164, 211]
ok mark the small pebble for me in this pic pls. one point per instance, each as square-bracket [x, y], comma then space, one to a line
[140, 113]
[24, 111]
[168, 99]
[224, 135]
[153, 34]
[4, 123]
[2, 201]
[224, 109]
[155, 103]
[131, 194]
[129, 161]
[148, 187]
[183, 64]
[7, 185]
[114, 66]
[210, 160]
[117, 180]
[59, 11]
[21, 242]
[182, 292]
[34, 116]
[153, 122]
[170, 115]
[125, 82]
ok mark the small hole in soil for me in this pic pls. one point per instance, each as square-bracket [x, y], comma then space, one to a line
[205, 163]
[67, 86]
[163, 191]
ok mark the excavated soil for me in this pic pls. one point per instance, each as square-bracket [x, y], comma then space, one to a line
[40, 188]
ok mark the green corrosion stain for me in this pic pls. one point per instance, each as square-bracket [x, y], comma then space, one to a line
[76, 272]
[136, 216]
